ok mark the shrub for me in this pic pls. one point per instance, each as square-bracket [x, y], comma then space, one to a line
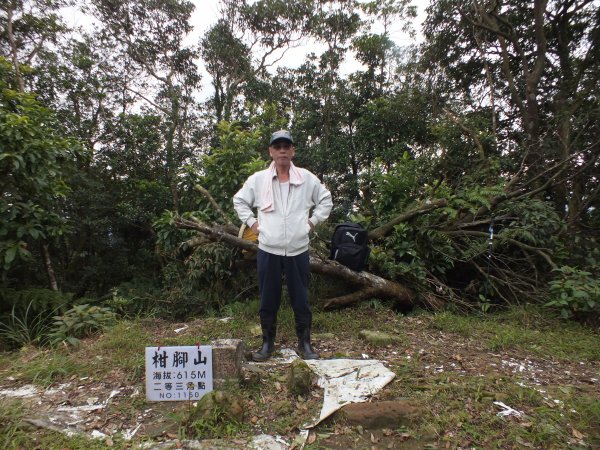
[575, 292]
[81, 321]
[26, 327]
[36, 300]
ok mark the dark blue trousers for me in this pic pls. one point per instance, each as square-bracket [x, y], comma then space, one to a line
[297, 270]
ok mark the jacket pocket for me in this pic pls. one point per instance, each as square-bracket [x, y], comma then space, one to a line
[270, 233]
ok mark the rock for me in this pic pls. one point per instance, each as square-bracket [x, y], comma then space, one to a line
[380, 339]
[299, 378]
[164, 423]
[227, 357]
[218, 405]
[378, 415]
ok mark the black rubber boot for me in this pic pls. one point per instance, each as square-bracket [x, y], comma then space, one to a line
[304, 347]
[269, 330]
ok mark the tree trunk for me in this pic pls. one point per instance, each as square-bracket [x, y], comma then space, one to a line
[13, 46]
[49, 269]
[368, 285]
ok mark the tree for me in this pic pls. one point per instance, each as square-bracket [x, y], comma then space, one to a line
[249, 39]
[532, 68]
[28, 27]
[228, 61]
[150, 36]
[35, 163]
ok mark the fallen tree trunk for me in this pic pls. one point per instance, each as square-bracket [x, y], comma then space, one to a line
[368, 284]
[387, 228]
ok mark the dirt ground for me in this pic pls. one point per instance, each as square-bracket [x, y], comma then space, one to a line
[115, 406]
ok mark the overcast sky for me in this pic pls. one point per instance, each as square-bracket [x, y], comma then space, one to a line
[206, 14]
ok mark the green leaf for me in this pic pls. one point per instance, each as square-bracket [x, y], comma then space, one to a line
[10, 254]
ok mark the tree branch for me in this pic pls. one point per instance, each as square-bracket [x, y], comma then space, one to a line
[350, 299]
[376, 286]
[387, 228]
[468, 131]
[512, 241]
[213, 202]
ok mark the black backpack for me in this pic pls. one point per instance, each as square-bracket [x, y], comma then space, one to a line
[349, 246]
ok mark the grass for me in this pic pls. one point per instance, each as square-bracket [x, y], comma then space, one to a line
[13, 435]
[120, 346]
[10, 416]
[55, 440]
[41, 367]
[26, 327]
[527, 329]
[458, 409]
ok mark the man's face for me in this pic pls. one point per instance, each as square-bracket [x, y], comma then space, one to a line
[282, 152]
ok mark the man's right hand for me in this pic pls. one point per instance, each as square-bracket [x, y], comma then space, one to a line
[254, 228]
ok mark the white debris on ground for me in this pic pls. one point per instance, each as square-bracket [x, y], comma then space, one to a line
[348, 381]
[268, 442]
[282, 357]
[28, 390]
[525, 368]
[58, 389]
[507, 410]
[98, 435]
[259, 442]
[129, 434]
[344, 381]
[64, 419]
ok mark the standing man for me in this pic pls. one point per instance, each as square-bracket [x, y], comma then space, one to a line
[284, 196]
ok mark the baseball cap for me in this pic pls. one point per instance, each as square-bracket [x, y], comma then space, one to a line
[281, 134]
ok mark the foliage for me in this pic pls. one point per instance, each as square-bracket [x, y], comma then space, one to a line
[210, 263]
[81, 321]
[394, 185]
[101, 132]
[575, 293]
[238, 155]
[26, 327]
[135, 298]
[470, 58]
[35, 162]
[534, 222]
[30, 319]
[11, 412]
[36, 299]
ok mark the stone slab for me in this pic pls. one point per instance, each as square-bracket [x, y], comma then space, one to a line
[228, 356]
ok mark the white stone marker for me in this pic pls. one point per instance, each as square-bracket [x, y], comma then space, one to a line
[178, 373]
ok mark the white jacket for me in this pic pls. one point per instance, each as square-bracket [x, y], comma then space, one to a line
[284, 232]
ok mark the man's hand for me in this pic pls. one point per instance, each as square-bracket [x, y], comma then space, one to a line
[254, 228]
[312, 227]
